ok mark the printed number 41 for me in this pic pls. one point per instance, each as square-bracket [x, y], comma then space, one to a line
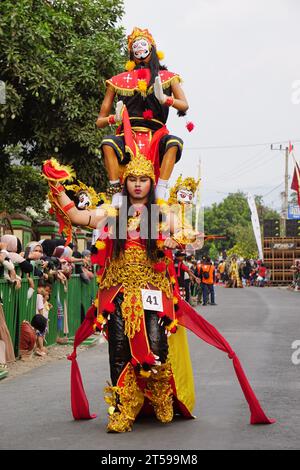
[152, 300]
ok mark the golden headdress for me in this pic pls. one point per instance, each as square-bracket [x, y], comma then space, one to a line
[188, 183]
[139, 166]
[89, 190]
[140, 33]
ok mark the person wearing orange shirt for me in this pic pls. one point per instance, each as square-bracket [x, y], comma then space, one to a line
[208, 280]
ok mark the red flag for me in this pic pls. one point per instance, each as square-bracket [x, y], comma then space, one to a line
[291, 147]
[296, 181]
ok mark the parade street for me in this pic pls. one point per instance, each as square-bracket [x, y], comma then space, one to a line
[260, 324]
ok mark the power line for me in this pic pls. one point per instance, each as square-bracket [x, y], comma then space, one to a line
[251, 165]
[218, 147]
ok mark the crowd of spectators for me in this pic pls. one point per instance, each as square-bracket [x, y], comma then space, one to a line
[197, 278]
[49, 261]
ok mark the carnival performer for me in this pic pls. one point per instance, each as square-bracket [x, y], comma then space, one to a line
[234, 273]
[148, 90]
[139, 307]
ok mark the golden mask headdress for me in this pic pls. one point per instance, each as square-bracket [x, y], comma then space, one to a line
[140, 33]
[188, 183]
[89, 190]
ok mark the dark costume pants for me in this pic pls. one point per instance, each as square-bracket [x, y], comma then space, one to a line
[208, 290]
[119, 349]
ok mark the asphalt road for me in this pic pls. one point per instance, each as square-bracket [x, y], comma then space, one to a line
[260, 324]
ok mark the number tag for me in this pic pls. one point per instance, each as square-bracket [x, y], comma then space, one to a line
[152, 300]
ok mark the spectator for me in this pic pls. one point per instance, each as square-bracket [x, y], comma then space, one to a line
[246, 272]
[208, 275]
[14, 248]
[181, 268]
[7, 267]
[221, 269]
[5, 339]
[261, 278]
[197, 289]
[28, 336]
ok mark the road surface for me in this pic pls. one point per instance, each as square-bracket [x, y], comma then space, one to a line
[260, 324]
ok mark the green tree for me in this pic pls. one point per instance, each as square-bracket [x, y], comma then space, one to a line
[223, 218]
[245, 245]
[264, 212]
[54, 59]
[232, 218]
[213, 251]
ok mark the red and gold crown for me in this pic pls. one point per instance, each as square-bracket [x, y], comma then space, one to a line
[140, 33]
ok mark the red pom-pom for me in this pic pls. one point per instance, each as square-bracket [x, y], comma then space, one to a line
[134, 362]
[160, 314]
[160, 267]
[190, 126]
[142, 74]
[109, 307]
[173, 330]
[148, 114]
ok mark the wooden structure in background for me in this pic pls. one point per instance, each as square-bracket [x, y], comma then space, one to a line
[280, 254]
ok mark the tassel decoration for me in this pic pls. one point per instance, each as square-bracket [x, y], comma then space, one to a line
[190, 126]
[130, 66]
[160, 55]
[148, 114]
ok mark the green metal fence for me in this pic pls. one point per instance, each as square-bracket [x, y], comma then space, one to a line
[76, 299]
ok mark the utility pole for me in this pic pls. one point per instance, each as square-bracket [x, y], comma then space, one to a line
[285, 208]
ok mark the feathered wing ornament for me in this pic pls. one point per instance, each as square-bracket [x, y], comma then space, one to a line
[54, 172]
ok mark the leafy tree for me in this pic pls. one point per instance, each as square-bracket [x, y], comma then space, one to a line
[16, 195]
[223, 218]
[264, 212]
[245, 245]
[213, 251]
[232, 218]
[54, 59]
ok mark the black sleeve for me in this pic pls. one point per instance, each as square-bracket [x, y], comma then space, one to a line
[26, 267]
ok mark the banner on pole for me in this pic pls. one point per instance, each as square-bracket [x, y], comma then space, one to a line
[255, 225]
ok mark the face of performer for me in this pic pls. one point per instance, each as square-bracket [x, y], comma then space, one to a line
[141, 49]
[184, 196]
[138, 187]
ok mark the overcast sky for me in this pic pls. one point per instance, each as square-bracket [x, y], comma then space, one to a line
[239, 60]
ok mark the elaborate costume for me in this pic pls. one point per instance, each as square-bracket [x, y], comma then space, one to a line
[137, 304]
[139, 307]
[234, 273]
[147, 90]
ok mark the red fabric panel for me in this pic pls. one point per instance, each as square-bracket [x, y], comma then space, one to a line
[191, 319]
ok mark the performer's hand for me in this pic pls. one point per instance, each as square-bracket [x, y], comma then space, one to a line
[119, 111]
[158, 90]
[170, 244]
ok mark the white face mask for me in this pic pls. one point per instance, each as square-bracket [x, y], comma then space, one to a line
[141, 49]
[184, 196]
[83, 201]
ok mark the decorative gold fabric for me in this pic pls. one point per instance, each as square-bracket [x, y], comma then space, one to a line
[160, 394]
[134, 271]
[124, 402]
